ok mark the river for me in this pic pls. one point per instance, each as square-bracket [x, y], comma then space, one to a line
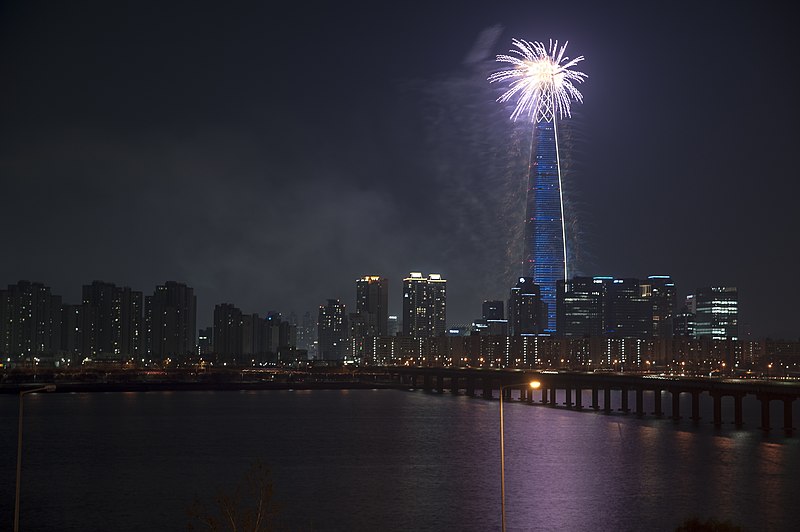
[386, 460]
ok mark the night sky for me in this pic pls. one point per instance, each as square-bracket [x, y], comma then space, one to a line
[268, 156]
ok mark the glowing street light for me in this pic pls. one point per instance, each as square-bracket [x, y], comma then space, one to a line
[534, 385]
[48, 388]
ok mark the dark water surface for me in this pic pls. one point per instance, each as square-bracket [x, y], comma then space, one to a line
[386, 460]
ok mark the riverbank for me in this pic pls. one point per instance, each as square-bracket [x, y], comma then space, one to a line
[106, 387]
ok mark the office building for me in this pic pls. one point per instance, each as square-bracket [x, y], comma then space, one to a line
[493, 310]
[717, 313]
[527, 313]
[628, 312]
[660, 289]
[580, 307]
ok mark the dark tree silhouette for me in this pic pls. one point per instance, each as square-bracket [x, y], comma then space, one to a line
[250, 508]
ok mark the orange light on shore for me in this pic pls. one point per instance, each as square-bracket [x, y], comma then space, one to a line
[535, 384]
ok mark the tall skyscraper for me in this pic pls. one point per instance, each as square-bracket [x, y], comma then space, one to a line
[372, 303]
[526, 310]
[543, 83]
[170, 317]
[332, 330]
[424, 305]
[545, 258]
[717, 313]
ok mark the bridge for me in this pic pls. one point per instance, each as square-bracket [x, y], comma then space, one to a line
[485, 381]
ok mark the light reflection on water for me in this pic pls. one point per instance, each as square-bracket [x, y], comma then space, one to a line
[367, 460]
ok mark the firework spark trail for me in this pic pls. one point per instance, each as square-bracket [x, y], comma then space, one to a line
[542, 80]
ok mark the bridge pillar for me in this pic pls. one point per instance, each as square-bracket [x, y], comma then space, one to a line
[787, 414]
[470, 386]
[639, 402]
[764, 410]
[578, 398]
[595, 402]
[553, 395]
[440, 383]
[624, 398]
[607, 399]
[717, 397]
[544, 396]
[695, 406]
[676, 404]
[506, 394]
[658, 411]
[530, 397]
[568, 396]
[427, 383]
[454, 385]
[487, 388]
[737, 410]
[523, 393]
[413, 381]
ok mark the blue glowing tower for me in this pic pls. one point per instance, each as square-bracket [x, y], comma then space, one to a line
[545, 252]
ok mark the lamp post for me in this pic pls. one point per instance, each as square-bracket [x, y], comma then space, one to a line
[48, 388]
[534, 385]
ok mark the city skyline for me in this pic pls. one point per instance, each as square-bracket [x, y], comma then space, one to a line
[203, 152]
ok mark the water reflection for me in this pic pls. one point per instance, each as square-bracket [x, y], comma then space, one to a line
[388, 460]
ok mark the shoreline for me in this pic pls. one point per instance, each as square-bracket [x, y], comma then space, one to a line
[102, 387]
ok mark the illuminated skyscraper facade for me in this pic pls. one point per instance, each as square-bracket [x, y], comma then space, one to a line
[717, 314]
[545, 253]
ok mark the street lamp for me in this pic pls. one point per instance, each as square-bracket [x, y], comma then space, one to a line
[534, 385]
[48, 388]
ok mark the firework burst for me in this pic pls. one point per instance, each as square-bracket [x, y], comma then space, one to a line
[542, 80]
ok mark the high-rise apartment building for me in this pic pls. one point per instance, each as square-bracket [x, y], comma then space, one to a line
[228, 334]
[170, 317]
[30, 321]
[372, 302]
[112, 321]
[332, 330]
[717, 313]
[424, 305]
